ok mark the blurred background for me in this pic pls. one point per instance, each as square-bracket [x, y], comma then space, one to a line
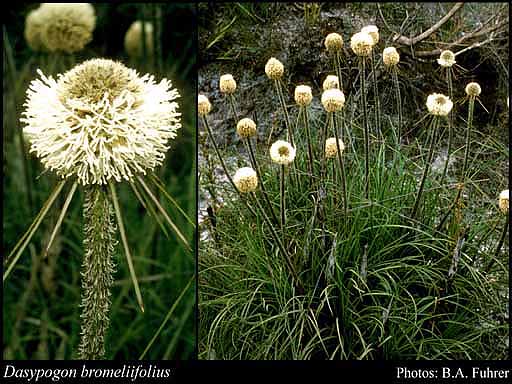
[42, 295]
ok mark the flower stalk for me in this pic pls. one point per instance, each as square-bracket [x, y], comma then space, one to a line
[97, 272]
[339, 151]
[468, 131]
[450, 124]
[366, 131]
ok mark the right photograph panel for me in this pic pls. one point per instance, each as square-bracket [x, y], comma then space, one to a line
[353, 181]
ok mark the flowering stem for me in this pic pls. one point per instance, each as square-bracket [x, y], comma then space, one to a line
[283, 201]
[450, 124]
[398, 104]
[500, 244]
[337, 66]
[304, 111]
[468, 131]
[285, 112]
[279, 244]
[375, 94]
[433, 129]
[233, 109]
[340, 161]
[366, 132]
[260, 180]
[205, 122]
[97, 272]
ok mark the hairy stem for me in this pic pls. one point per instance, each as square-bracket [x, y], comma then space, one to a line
[304, 111]
[97, 272]
[280, 95]
[375, 94]
[283, 202]
[450, 124]
[340, 161]
[468, 131]
[500, 244]
[398, 104]
[366, 131]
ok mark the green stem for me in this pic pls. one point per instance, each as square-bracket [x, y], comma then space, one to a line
[500, 244]
[398, 104]
[450, 124]
[283, 202]
[433, 129]
[468, 131]
[366, 131]
[375, 94]
[340, 161]
[285, 112]
[304, 111]
[233, 109]
[97, 272]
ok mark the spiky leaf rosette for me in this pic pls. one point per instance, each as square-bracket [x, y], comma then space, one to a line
[100, 121]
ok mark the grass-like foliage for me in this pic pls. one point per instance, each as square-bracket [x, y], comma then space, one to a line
[376, 282]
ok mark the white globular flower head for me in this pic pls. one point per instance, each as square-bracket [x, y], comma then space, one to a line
[274, 69]
[303, 95]
[333, 42]
[333, 100]
[100, 121]
[282, 152]
[362, 44]
[67, 27]
[390, 56]
[331, 149]
[227, 84]
[330, 82]
[446, 59]
[439, 104]
[133, 43]
[503, 201]
[246, 180]
[373, 31]
[203, 105]
[473, 89]
[246, 128]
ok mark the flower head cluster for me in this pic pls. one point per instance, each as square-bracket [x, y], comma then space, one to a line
[66, 27]
[503, 201]
[473, 89]
[330, 82]
[303, 95]
[246, 128]
[203, 105]
[281, 152]
[274, 69]
[439, 104]
[446, 59]
[331, 149]
[227, 84]
[373, 31]
[390, 56]
[333, 42]
[100, 121]
[133, 43]
[362, 44]
[246, 180]
[333, 100]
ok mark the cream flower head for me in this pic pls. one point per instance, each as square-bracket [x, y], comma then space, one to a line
[373, 31]
[274, 69]
[503, 201]
[330, 82]
[246, 128]
[333, 100]
[331, 149]
[66, 27]
[362, 44]
[33, 26]
[281, 152]
[473, 89]
[303, 95]
[100, 121]
[246, 180]
[446, 59]
[203, 105]
[227, 84]
[333, 42]
[439, 104]
[390, 56]
[133, 39]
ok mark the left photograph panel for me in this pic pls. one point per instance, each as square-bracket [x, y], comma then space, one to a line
[99, 181]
